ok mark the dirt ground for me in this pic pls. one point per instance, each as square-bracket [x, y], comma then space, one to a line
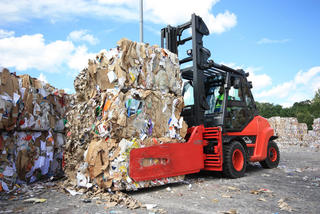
[292, 187]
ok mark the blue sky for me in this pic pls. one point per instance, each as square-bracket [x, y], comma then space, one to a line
[276, 41]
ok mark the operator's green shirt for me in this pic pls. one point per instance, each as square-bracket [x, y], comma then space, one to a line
[219, 101]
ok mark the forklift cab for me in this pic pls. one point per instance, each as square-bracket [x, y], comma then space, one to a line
[233, 113]
[214, 95]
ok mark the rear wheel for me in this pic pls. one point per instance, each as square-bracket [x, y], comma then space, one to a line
[273, 156]
[235, 160]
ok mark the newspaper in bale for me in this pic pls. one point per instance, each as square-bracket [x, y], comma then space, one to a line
[31, 124]
[128, 97]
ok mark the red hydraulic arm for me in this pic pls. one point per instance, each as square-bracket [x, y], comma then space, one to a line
[173, 159]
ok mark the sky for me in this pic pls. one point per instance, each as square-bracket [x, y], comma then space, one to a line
[277, 42]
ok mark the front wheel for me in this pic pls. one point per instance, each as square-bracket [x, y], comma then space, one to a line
[235, 160]
[273, 156]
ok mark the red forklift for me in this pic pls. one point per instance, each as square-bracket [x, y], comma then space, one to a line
[225, 131]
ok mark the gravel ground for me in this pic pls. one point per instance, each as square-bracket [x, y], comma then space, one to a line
[292, 187]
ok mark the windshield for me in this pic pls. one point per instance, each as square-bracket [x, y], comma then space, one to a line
[188, 94]
[212, 98]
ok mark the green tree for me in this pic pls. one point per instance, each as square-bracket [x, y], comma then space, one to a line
[315, 105]
[305, 117]
[317, 96]
[268, 110]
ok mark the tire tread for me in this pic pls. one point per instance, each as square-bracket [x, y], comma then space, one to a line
[228, 169]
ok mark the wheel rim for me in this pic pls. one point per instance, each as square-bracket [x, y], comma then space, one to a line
[273, 154]
[237, 159]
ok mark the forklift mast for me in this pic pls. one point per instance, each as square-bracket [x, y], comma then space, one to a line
[201, 72]
[198, 55]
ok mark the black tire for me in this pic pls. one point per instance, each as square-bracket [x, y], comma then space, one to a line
[273, 156]
[234, 160]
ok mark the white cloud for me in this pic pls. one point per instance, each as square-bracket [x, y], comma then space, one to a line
[259, 81]
[24, 10]
[32, 52]
[279, 91]
[5, 33]
[42, 77]
[180, 11]
[79, 59]
[302, 87]
[286, 104]
[272, 41]
[155, 11]
[305, 77]
[82, 36]
[222, 22]
[315, 85]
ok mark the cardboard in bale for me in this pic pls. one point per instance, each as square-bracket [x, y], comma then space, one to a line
[291, 132]
[29, 104]
[128, 97]
[31, 124]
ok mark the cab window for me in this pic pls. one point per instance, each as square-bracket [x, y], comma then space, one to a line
[188, 94]
[235, 92]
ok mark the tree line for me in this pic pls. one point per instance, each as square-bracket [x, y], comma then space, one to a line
[305, 111]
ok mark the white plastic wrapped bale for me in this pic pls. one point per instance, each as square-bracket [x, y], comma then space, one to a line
[29, 156]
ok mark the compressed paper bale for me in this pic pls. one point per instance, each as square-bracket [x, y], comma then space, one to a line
[30, 156]
[31, 111]
[43, 110]
[29, 104]
[153, 117]
[81, 117]
[316, 125]
[291, 132]
[128, 97]
[314, 134]
[288, 128]
[135, 132]
[134, 65]
[107, 161]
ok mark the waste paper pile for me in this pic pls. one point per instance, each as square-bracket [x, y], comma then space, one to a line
[128, 97]
[288, 128]
[291, 132]
[31, 129]
[314, 134]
